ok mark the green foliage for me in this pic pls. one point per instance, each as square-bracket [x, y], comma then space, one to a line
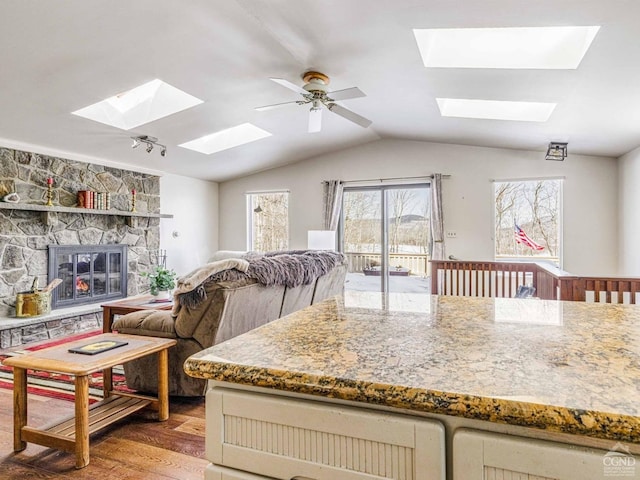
[161, 278]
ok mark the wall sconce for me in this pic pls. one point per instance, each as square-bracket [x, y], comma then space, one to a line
[150, 142]
[556, 151]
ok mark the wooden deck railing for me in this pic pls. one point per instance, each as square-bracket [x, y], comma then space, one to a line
[417, 263]
[502, 279]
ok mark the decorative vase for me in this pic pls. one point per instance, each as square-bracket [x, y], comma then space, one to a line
[163, 296]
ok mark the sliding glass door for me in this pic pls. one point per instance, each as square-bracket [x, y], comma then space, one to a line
[385, 236]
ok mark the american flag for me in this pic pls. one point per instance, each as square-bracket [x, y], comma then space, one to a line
[523, 238]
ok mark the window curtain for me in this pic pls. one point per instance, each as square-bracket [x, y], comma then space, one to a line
[437, 223]
[333, 190]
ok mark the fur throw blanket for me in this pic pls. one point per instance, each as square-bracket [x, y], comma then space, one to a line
[193, 279]
[291, 268]
[192, 282]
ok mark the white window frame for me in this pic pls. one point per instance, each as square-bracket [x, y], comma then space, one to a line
[249, 214]
[560, 219]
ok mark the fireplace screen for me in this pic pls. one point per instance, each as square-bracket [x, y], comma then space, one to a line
[89, 273]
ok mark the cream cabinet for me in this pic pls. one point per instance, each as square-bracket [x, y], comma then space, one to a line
[284, 438]
[487, 456]
[213, 472]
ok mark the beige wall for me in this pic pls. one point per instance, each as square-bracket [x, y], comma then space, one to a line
[629, 213]
[590, 195]
[194, 205]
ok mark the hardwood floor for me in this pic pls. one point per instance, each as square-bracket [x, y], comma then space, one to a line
[136, 448]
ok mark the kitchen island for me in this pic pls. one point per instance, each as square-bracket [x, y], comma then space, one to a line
[564, 373]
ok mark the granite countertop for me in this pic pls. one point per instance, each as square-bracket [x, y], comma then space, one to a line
[570, 367]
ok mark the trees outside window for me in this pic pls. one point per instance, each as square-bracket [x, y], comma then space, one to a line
[407, 211]
[361, 225]
[268, 221]
[535, 207]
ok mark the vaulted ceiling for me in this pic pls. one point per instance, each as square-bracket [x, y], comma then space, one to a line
[57, 57]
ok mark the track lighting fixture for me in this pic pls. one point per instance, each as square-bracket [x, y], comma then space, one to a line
[150, 142]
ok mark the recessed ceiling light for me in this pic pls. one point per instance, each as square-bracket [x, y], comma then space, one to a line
[146, 103]
[522, 47]
[495, 109]
[225, 139]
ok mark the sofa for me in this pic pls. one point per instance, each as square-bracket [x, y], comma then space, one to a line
[224, 299]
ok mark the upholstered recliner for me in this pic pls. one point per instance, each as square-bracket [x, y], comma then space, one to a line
[212, 308]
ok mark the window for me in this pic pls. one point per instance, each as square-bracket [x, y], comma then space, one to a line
[385, 237]
[528, 219]
[268, 221]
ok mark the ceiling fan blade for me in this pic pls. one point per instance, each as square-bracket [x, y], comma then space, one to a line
[275, 105]
[290, 86]
[315, 120]
[346, 94]
[349, 115]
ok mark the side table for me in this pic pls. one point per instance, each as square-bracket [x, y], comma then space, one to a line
[129, 305]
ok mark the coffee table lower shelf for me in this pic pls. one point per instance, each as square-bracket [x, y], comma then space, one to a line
[62, 433]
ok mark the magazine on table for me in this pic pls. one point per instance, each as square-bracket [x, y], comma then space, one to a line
[98, 347]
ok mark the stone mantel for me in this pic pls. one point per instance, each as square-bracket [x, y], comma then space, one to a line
[47, 211]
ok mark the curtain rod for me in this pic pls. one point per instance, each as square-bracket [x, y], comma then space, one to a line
[258, 192]
[392, 178]
[524, 179]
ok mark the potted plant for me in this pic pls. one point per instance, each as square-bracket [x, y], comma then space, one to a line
[162, 281]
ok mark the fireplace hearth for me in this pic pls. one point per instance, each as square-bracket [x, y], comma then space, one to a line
[89, 273]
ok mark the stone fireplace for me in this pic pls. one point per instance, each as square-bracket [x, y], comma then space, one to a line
[89, 273]
[25, 237]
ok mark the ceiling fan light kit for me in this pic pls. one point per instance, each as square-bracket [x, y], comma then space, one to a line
[315, 92]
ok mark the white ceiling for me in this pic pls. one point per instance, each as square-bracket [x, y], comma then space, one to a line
[57, 57]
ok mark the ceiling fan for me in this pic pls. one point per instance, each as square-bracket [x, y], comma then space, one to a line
[315, 92]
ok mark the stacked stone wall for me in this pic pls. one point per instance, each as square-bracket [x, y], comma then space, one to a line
[49, 329]
[24, 237]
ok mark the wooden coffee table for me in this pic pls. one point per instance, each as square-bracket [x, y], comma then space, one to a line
[72, 433]
[129, 305]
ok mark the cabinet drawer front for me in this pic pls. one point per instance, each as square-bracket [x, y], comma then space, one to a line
[213, 472]
[283, 438]
[487, 456]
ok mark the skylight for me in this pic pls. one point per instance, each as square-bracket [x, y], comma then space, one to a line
[521, 47]
[225, 139]
[495, 109]
[143, 104]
